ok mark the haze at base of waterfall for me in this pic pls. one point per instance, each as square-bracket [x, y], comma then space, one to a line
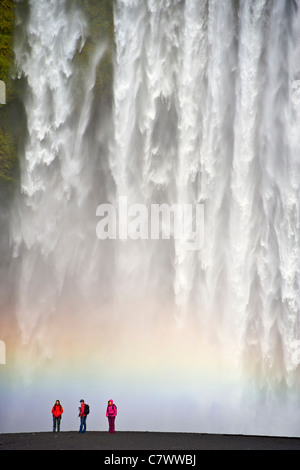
[202, 113]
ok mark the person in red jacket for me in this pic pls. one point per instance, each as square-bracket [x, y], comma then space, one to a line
[57, 411]
[82, 416]
[111, 413]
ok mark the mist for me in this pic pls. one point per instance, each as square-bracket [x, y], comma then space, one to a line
[202, 111]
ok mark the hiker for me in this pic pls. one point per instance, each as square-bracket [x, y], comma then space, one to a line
[57, 411]
[84, 410]
[111, 413]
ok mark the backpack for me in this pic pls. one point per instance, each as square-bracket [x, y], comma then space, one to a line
[86, 409]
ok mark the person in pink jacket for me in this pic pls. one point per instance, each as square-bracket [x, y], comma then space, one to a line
[111, 413]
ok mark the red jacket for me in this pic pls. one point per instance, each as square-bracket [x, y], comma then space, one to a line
[82, 413]
[57, 410]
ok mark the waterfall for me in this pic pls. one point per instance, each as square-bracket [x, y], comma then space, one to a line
[204, 113]
[51, 221]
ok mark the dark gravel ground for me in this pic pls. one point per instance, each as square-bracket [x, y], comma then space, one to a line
[128, 441]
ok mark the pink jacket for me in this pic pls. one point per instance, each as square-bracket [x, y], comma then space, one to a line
[111, 409]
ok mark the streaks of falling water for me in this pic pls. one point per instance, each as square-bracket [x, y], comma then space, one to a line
[202, 114]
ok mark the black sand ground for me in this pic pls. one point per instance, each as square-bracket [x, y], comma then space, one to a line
[143, 441]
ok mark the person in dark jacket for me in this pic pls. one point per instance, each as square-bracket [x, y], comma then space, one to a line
[57, 411]
[111, 413]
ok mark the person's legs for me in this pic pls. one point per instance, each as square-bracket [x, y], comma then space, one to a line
[81, 424]
[111, 423]
[82, 428]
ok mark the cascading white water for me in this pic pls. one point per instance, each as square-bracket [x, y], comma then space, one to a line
[51, 221]
[203, 113]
